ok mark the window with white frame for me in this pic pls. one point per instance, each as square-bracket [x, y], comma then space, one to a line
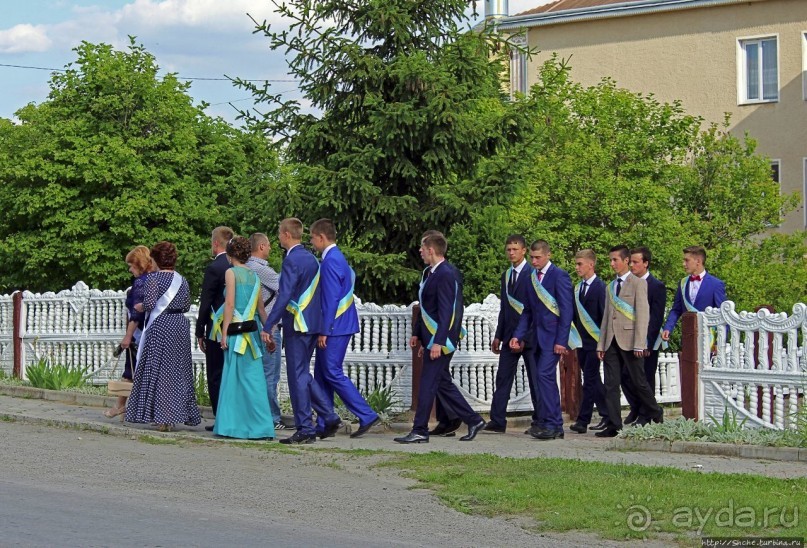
[775, 171]
[759, 70]
[804, 65]
[518, 66]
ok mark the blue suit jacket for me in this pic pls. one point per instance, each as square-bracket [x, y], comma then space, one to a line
[711, 293]
[508, 316]
[335, 280]
[299, 269]
[549, 329]
[442, 298]
[594, 304]
[657, 299]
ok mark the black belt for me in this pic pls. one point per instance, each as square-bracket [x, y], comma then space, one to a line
[173, 311]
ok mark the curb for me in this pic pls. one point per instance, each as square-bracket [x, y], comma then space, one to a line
[793, 454]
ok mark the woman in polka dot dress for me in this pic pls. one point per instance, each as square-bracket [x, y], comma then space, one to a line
[163, 385]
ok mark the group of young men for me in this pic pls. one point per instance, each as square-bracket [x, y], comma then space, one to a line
[542, 317]
[312, 302]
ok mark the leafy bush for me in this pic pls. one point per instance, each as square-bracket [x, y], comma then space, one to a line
[55, 377]
[200, 387]
[730, 431]
[381, 399]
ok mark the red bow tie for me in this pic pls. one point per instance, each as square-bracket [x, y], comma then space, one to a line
[694, 278]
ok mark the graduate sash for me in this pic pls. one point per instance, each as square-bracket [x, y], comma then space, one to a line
[431, 324]
[517, 305]
[624, 308]
[347, 300]
[297, 307]
[552, 305]
[240, 342]
[585, 318]
[162, 303]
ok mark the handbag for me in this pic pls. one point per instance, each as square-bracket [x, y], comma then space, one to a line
[238, 328]
[120, 387]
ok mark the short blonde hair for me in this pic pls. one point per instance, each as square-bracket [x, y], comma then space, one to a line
[140, 258]
[293, 226]
[586, 254]
[222, 234]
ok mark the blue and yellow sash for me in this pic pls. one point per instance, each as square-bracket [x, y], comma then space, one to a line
[240, 342]
[347, 300]
[585, 318]
[624, 308]
[296, 308]
[517, 305]
[218, 318]
[431, 325]
[552, 305]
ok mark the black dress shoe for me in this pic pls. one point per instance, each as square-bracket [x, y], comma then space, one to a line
[446, 429]
[547, 434]
[330, 430]
[641, 421]
[210, 427]
[412, 437]
[579, 427]
[602, 425]
[473, 430]
[632, 417]
[609, 432]
[490, 427]
[363, 429]
[658, 419]
[298, 438]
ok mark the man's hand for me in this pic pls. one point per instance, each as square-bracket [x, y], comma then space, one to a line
[560, 350]
[515, 344]
[414, 342]
[646, 353]
[665, 335]
[600, 355]
[201, 342]
[639, 353]
[269, 341]
[495, 346]
[322, 341]
[435, 352]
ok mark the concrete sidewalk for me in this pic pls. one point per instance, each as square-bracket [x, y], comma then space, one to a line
[72, 410]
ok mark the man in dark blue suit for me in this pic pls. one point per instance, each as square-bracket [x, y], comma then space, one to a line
[696, 291]
[548, 313]
[589, 305]
[338, 324]
[640, 258]
[439, 330]
[211, 313]
[298, 305]
[514, 293]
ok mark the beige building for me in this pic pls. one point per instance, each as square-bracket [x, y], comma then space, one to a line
[743, 57]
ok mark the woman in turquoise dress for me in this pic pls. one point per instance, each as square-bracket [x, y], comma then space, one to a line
[243, 410]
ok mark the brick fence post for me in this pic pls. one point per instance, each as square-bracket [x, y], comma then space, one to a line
[417, 361]
[16, 331]
[688, 360]
[571, 387]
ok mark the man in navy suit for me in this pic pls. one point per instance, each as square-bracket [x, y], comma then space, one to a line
[589, 304]
[548, 313]
[514, 293]
[439, 330]
[640, 258]
[208, 323]
[338, 324]
[696, 291]
[298, 305]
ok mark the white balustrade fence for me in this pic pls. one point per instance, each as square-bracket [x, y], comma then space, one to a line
[744, 375]
[82, 327]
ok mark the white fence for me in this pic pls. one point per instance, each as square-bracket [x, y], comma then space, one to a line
[82, 326]
[747, 375]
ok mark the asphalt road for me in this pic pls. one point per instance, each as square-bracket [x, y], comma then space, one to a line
[63, 487]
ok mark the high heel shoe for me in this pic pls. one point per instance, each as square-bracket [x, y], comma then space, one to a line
[163, 428]
[114, 412]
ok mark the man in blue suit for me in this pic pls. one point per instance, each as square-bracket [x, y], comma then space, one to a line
[696, 291]
[298, 304]
[548, 313]
[640, 258]
[439, 330]
[338, 324]
[589, 304]
[514, 293]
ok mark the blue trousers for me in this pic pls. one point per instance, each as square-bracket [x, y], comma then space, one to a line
[505, 375]
[304, 392]
[436, 382]
[271, 370]
[546, 380]
[330, 375]
[593, 388]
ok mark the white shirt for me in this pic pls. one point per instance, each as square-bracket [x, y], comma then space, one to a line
[518, 269]
[326, 250]
[646, 275]
[436, 265]
[587, 283]
[695, 286]
[292, 247]
[543, 271]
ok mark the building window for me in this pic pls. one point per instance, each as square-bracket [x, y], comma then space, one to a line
[804, 65]
[775, 175]
[759, 70]
[518, 66]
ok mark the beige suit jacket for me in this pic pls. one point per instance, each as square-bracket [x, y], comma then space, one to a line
[630, 335]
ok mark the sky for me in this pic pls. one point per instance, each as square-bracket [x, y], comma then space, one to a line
[193, 38]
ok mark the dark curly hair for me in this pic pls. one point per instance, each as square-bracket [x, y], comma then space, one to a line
[164, 254]
[239, 248]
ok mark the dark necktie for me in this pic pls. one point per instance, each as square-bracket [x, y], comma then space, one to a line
[540, 276]
[618, 286]
[511, 285]
[583, 289]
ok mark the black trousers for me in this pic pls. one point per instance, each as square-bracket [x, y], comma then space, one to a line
[616, 361]
[650, 368]
[593, 388]
[505, 375]
[214, 366]
[436, 382]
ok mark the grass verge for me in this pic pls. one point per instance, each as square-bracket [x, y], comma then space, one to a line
[612, 500]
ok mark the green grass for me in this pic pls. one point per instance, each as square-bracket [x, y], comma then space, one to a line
[726, 431]
[156, 440]
[611, 500]
[7, 418]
